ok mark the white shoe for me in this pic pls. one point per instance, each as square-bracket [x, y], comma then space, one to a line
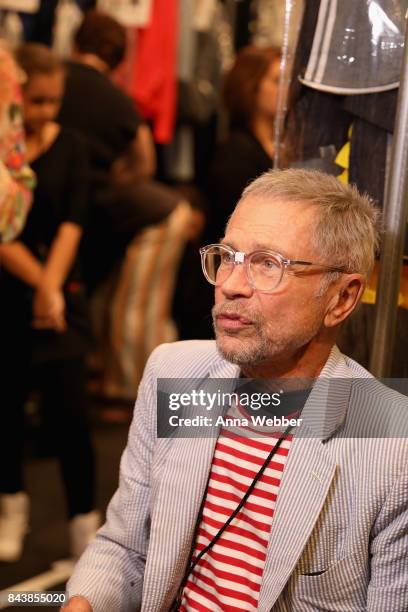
[82, 529]
[14, 509]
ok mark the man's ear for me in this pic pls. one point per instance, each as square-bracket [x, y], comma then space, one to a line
[346, 295]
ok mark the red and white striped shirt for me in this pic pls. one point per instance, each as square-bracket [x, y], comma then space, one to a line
[228, 577]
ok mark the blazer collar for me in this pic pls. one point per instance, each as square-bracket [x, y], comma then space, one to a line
[326, 407]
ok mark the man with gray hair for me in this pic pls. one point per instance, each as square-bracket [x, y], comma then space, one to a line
[247, 517]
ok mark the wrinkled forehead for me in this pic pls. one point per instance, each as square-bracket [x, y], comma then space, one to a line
[259, 213]
[277, 224]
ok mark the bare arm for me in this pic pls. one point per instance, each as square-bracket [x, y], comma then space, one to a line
[20, 262]
[49, 302]
[139, 161]
[143, 147]
[62, 254]
[48, 279]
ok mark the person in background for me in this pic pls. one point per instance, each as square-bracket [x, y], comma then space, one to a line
[16, 178]
[250, 93]
[43, 319]
[122, 150]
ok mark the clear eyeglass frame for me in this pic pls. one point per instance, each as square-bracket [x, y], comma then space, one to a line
[271, 266]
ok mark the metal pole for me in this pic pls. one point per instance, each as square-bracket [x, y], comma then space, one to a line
[395, 218]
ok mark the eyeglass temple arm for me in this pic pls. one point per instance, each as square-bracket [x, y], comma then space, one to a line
[289, 262]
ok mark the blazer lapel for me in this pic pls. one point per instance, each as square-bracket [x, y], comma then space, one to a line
[176, 507]
[307, 477]
[303, 490]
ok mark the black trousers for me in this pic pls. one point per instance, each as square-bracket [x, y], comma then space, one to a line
[61, 386]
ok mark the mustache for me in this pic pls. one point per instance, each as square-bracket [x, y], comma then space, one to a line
[237, 309]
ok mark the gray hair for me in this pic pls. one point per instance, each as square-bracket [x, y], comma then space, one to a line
[348, 229]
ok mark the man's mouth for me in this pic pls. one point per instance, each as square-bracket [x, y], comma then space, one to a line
[232, 321]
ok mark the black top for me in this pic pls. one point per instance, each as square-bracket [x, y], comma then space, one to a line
[237, 161]
[100, 111]
[61, 194]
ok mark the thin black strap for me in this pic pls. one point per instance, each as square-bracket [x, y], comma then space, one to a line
[191, 565]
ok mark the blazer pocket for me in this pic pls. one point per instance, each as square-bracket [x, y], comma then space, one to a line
[340, 586]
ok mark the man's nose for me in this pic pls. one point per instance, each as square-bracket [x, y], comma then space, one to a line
[237, 283]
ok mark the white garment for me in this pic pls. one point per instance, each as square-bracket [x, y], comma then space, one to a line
[186, 53]
[204, 14]
[129, 13]
[68, 18]
[12, 30]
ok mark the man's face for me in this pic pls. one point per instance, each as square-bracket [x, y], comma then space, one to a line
[254, 328]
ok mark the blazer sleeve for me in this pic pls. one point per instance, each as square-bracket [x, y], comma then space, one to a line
[388, 587]
[110, 572]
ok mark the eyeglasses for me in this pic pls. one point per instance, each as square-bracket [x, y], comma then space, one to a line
[264, 269]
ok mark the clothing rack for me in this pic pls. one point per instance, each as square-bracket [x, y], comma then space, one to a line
[395, 219]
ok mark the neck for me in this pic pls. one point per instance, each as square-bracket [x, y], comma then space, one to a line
[92, 60]
[38, 141]
[263, 128]
[306, 363]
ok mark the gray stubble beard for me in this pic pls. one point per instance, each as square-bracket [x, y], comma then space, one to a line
[258, 351]
[261, 348]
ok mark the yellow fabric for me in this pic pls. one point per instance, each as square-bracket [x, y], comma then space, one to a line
[343, 159]
[343, 156]
[369, 296]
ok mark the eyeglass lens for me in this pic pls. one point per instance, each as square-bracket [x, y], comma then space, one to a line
[265, 271]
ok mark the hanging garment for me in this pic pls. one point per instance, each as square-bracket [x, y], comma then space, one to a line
[11, 28]
[319, 118]
[68, 18]
[128, 12]
[269, 23]
[38, 27]
[198, 97]
[204, 13]
[357, 46]
[243, 23]
[154, 79]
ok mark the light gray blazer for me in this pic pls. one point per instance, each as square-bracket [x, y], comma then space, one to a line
[339, 538]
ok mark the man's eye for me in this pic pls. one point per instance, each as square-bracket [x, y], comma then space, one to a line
[227, 258]
[270, 264]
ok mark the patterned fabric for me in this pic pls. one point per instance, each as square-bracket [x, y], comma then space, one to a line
[133, 311]
[16, 178]
[230, 575]
[339, 537]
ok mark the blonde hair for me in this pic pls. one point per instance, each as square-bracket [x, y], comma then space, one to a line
[348, 229]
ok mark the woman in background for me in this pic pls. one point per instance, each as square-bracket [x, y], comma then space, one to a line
[250, 93]
[43, 320]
